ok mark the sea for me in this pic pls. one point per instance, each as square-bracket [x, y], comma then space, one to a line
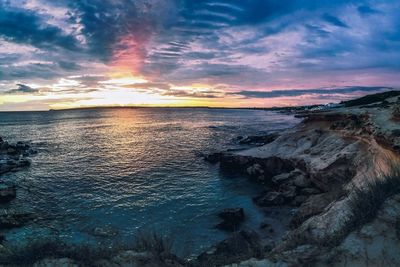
[104, 175]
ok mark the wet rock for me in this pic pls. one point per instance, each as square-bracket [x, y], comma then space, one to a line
[270, 199]
[310, 191]
[267, 227]
[288, 191]
[240, 246]
[255, 170]
[64, 262]
[232, 218]
[298, 200]
[301, 181]
[107, 231]
[281, 178]
[7, 193]
[213, 158]
[259, 140]
[13, 219]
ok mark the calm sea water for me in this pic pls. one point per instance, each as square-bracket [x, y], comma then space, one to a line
[132, 169]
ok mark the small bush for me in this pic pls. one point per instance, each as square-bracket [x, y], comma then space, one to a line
[365, 203]
[37, 250]
[85, 255]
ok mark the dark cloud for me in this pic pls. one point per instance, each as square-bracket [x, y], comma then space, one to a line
[366, 10]
[189, 94]
[25, 27]
[69, 65]
[22, 89]
[163, 86]
[334, 20]
[301, 92]
[238, 43]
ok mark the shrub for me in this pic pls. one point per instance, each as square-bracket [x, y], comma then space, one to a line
[365, 203]
[85, 255]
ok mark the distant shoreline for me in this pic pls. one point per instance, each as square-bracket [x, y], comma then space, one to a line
[171, 107]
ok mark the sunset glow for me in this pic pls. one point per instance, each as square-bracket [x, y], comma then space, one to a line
[195, 53]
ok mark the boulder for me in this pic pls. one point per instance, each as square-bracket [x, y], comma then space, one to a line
[298, 200]
[240, 246]
[213, 158]
[232, 218]
[106, 231]
[301, 181]
[7, 193]
[270, 199]
[310, 191]
[12, 219]
[255, 170]
[267, 227]
[288, 191]
[281, 178]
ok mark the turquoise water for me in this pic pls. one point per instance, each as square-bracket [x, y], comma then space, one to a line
[130, 170]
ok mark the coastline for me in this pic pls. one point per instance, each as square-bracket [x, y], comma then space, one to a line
[320, 168]
[314, 170]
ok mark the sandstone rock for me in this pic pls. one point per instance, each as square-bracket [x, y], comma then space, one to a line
[259, 140]
[7, 193]
[232, 218]
[303, 255]
[255, 170]
[298, 200]
[281, 178]
[240, 246]
[288, 191]
[314, 205]
[310, 191]
[301, 181]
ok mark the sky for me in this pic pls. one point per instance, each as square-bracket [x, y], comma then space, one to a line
[221, 53]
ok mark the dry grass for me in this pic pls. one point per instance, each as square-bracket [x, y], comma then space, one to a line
[85, 255]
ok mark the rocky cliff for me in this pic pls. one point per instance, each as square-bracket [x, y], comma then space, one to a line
[330, 167]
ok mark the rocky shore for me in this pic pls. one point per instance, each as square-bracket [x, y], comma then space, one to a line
[336, 173]
[336, 163]
[13, 158]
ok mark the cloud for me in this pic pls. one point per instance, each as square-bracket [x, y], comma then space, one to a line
[189, 94]
[302, 92]
[26, 27]
[22, 89]
[252, 44]
[366, 10]
[334, 21]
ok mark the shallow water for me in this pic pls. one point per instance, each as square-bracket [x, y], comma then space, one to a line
[133, 169]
